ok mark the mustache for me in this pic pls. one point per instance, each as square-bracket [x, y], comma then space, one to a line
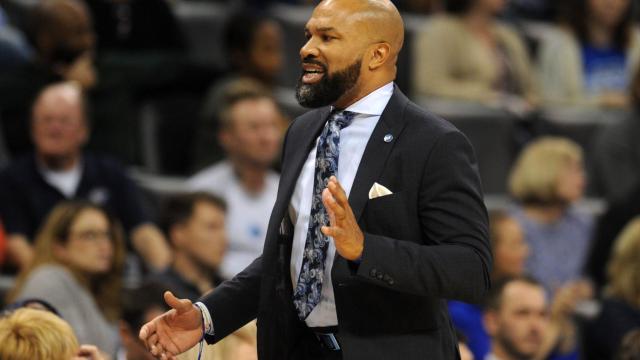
[310, 60]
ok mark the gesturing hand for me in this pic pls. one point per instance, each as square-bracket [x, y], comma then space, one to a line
[343, 228]
[175, 331]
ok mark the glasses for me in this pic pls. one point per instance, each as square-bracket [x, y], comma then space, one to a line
[92, 235]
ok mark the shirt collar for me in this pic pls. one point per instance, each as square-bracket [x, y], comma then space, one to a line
[375, 102]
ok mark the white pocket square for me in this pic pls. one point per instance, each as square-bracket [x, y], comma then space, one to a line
[378, 190]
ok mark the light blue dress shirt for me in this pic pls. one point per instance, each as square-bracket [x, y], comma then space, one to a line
[353, 140]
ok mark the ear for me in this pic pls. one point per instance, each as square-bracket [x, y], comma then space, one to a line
[490, 322]
[379, 55]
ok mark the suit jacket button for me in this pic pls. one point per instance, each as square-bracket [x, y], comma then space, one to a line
[373, 272]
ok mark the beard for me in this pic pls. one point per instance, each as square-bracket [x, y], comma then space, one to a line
[510, 347]
[330, 88]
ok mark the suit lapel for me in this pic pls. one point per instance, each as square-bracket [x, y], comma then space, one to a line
[377, 151]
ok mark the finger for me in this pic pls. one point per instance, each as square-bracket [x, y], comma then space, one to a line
[333, 208]
[154, 351]
[152, 340]
[338, 192]
[181, 305]
[161, 349]
[333, 232]
[327, 200]
[146, 330]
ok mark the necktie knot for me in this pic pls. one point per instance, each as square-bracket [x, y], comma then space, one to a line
[342, 118]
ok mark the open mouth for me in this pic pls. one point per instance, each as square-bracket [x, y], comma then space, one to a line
[312, 73]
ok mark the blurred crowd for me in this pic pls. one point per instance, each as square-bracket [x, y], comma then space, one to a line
[140, 142]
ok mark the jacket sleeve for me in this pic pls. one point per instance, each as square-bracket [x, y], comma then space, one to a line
[454, 259]
[234, 303]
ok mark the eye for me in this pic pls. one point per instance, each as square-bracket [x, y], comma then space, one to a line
[326, 38]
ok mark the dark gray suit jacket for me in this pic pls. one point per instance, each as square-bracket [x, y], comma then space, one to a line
[426, 242]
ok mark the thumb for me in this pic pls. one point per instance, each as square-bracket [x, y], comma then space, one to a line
[181, 305]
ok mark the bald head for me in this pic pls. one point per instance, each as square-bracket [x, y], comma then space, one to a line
[67, 93]
[59, 127]
[352, 49]
[380, 18]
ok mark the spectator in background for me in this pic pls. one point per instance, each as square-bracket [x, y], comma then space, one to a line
[620, 311]
[59, 169]
[77, 269]
[135, 25]
[510, 252]
[37, 334]
[469, 55]
[195, 226]
[591, 59]
[516, 317]
[250, 133]
[254, 46]
[546, 181]
[63, 41]
[253, 43]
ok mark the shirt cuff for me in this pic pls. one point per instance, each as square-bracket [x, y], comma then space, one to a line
[206, 318]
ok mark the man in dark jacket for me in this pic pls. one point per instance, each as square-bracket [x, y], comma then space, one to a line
[360, 253]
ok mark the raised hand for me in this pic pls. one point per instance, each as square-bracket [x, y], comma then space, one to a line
[175, 331]
[343, 228]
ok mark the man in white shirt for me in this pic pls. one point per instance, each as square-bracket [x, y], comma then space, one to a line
[250, 133]
[59, 169]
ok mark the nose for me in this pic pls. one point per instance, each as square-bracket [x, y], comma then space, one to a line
[308, 49]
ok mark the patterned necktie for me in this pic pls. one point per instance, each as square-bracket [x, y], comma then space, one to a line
[309, 288]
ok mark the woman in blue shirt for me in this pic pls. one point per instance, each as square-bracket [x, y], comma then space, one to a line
[590, 58]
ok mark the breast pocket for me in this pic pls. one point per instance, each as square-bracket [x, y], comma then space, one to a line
[386, 215]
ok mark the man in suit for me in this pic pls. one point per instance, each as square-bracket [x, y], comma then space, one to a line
[360, 253]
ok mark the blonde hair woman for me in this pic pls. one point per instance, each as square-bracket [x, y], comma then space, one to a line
[620, 312]
[547, 179]
[77, 268]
